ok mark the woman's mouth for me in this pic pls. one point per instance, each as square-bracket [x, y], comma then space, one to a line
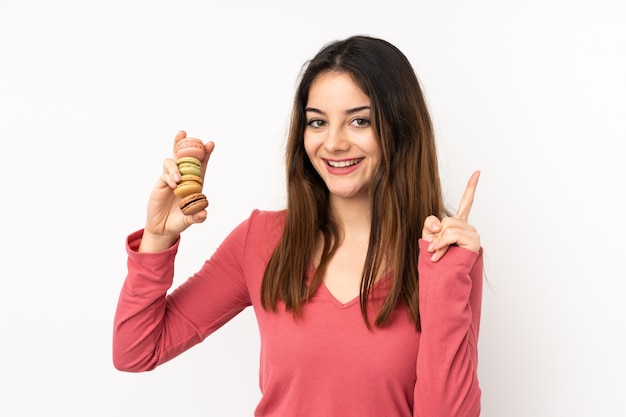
[343, 164]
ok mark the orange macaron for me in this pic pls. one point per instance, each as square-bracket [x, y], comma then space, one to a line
[188, 184]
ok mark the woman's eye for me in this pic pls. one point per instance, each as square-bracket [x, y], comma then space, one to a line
[361, 122]
[316, 123]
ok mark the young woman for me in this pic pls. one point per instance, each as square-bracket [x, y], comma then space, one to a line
[366, 292]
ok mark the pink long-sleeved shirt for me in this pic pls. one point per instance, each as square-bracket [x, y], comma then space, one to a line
[326, 363]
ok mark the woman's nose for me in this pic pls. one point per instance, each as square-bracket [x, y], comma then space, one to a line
[336, 140]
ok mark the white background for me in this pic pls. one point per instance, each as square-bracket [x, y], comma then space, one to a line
[531, 93]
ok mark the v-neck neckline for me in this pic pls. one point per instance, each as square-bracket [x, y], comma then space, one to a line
[335, 300]
[325, 290]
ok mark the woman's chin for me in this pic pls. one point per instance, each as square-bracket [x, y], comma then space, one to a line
[356, 194]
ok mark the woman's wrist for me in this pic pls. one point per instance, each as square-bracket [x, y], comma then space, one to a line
[151, 242]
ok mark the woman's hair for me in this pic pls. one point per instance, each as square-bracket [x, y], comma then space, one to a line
[405, 188]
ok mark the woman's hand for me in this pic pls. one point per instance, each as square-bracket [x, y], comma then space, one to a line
[453, 230]
[165, 222]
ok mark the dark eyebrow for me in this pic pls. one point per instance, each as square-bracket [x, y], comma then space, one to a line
[313, 110]
[357, 109]
[349, 111]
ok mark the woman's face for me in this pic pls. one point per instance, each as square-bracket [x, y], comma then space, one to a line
[338, 138]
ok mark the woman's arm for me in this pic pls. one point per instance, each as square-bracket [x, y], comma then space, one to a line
[450, 306]
[450, 270]
[151, 327]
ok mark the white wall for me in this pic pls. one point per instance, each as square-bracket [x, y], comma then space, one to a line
[532, 93]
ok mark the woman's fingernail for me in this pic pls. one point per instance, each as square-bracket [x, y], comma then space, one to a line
[431, 246]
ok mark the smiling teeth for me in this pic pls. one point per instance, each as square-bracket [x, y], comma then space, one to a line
[343, 164]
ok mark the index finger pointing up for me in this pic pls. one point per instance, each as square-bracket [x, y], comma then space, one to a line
[468, 197]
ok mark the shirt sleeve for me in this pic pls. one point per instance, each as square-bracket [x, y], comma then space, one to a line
[450, 299]
[152, 327]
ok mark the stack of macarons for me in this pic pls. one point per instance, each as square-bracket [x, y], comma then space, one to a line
[189, 153]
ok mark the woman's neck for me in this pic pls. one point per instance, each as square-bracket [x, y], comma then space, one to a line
[353, 216]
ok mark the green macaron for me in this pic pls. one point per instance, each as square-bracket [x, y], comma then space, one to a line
[189, 166]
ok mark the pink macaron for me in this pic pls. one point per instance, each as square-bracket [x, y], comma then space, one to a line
[189, 147]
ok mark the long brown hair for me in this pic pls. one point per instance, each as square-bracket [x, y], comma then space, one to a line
[405, 188]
